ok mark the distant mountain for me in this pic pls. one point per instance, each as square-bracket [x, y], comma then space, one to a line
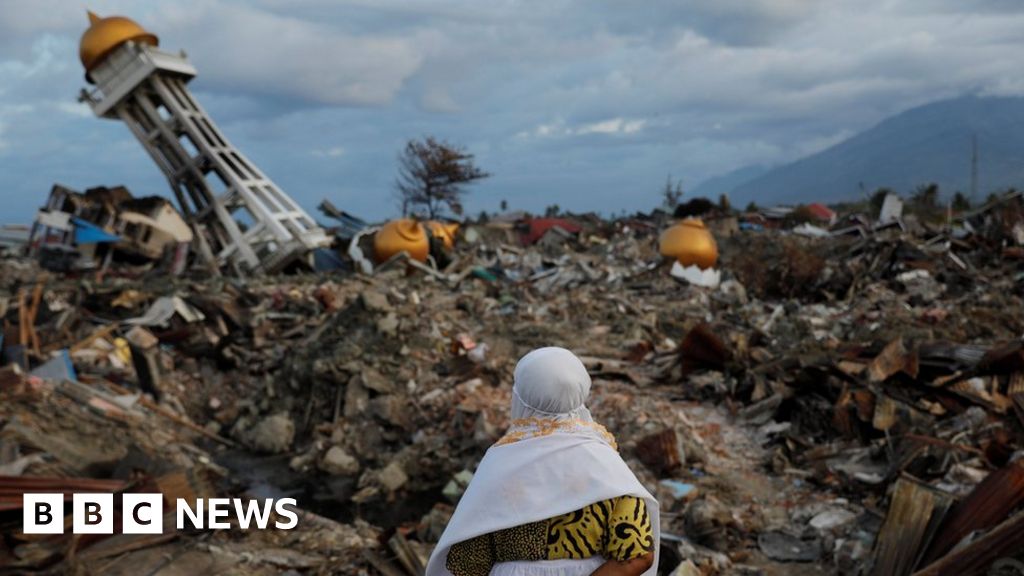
[930, 143]
[714, 187]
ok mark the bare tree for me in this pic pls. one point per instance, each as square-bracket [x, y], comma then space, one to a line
[432, 175]
[671, 195]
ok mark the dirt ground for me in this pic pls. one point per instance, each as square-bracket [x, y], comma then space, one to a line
[781, 416]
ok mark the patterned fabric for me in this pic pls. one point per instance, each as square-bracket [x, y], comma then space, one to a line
[527, 428]
[619, 529]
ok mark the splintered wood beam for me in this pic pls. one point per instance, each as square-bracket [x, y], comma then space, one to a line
[1015, 390]
[102, 332]
[914, 515]
[33, 312]
[987, 505]
[1005, 540]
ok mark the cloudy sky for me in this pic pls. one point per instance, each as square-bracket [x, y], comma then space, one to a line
[588, 104]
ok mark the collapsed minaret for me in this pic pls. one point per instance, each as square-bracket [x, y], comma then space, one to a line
[243, 222]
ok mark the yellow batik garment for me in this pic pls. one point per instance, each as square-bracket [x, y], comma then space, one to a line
[617, 529]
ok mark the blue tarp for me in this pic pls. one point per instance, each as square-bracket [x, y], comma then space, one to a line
[57, 368]
[327, 260]
[89, 233]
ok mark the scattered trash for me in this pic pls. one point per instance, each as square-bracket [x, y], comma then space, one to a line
[677, 489]
[788, 548]
[854, 401]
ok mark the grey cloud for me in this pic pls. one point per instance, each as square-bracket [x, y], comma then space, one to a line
[737, 22]
[247, 50]
[709, 85]
[22, 24]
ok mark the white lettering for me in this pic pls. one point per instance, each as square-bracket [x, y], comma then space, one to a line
[92, 513]
[142, 513]
[184, 509]
[253, 509]
[43, 514]
[279, 507]
[219, 509]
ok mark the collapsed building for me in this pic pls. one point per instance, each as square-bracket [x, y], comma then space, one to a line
[78, 231]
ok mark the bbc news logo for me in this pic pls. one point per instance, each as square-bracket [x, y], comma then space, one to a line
[93, 513]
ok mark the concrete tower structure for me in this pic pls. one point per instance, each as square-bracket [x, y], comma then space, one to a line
[242, 221]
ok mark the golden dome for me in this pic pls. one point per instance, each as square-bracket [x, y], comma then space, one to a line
[690, 243]
[445, 231]
[398, 235]
[105, 34]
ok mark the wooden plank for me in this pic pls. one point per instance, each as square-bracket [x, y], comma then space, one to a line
[172, 416]
[893, 359]
[100, 333]
[1015, 390]
[406, 555]
[33, 312]
[1005, 540]
[987, 505]
[914, 514]
[383, 566]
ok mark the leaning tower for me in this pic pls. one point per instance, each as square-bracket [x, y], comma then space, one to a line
[243, 222]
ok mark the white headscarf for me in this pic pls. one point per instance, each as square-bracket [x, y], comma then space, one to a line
[554, 460]
[551, 383]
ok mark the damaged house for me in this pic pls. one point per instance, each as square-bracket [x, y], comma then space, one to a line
[76, 230]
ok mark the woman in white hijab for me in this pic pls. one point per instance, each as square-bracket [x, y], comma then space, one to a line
[552, 497]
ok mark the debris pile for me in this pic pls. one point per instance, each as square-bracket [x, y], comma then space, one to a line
[853, 403]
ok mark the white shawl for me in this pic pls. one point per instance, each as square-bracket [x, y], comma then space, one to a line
[555, 466]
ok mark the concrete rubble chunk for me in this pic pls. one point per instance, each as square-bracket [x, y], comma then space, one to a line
[832, 519]
[273, 434]
[389, 324]
[337, 462]
[374, 380]
[375, 301]
[392, 477]
[455, 487]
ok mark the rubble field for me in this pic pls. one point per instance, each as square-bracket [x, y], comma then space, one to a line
[836, 404]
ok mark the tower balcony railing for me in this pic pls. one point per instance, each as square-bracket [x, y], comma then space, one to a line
[127, 67]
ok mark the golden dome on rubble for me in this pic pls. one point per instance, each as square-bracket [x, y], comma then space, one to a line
[398, 235]
[690, 243]
[106, 34]
[444, 231]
